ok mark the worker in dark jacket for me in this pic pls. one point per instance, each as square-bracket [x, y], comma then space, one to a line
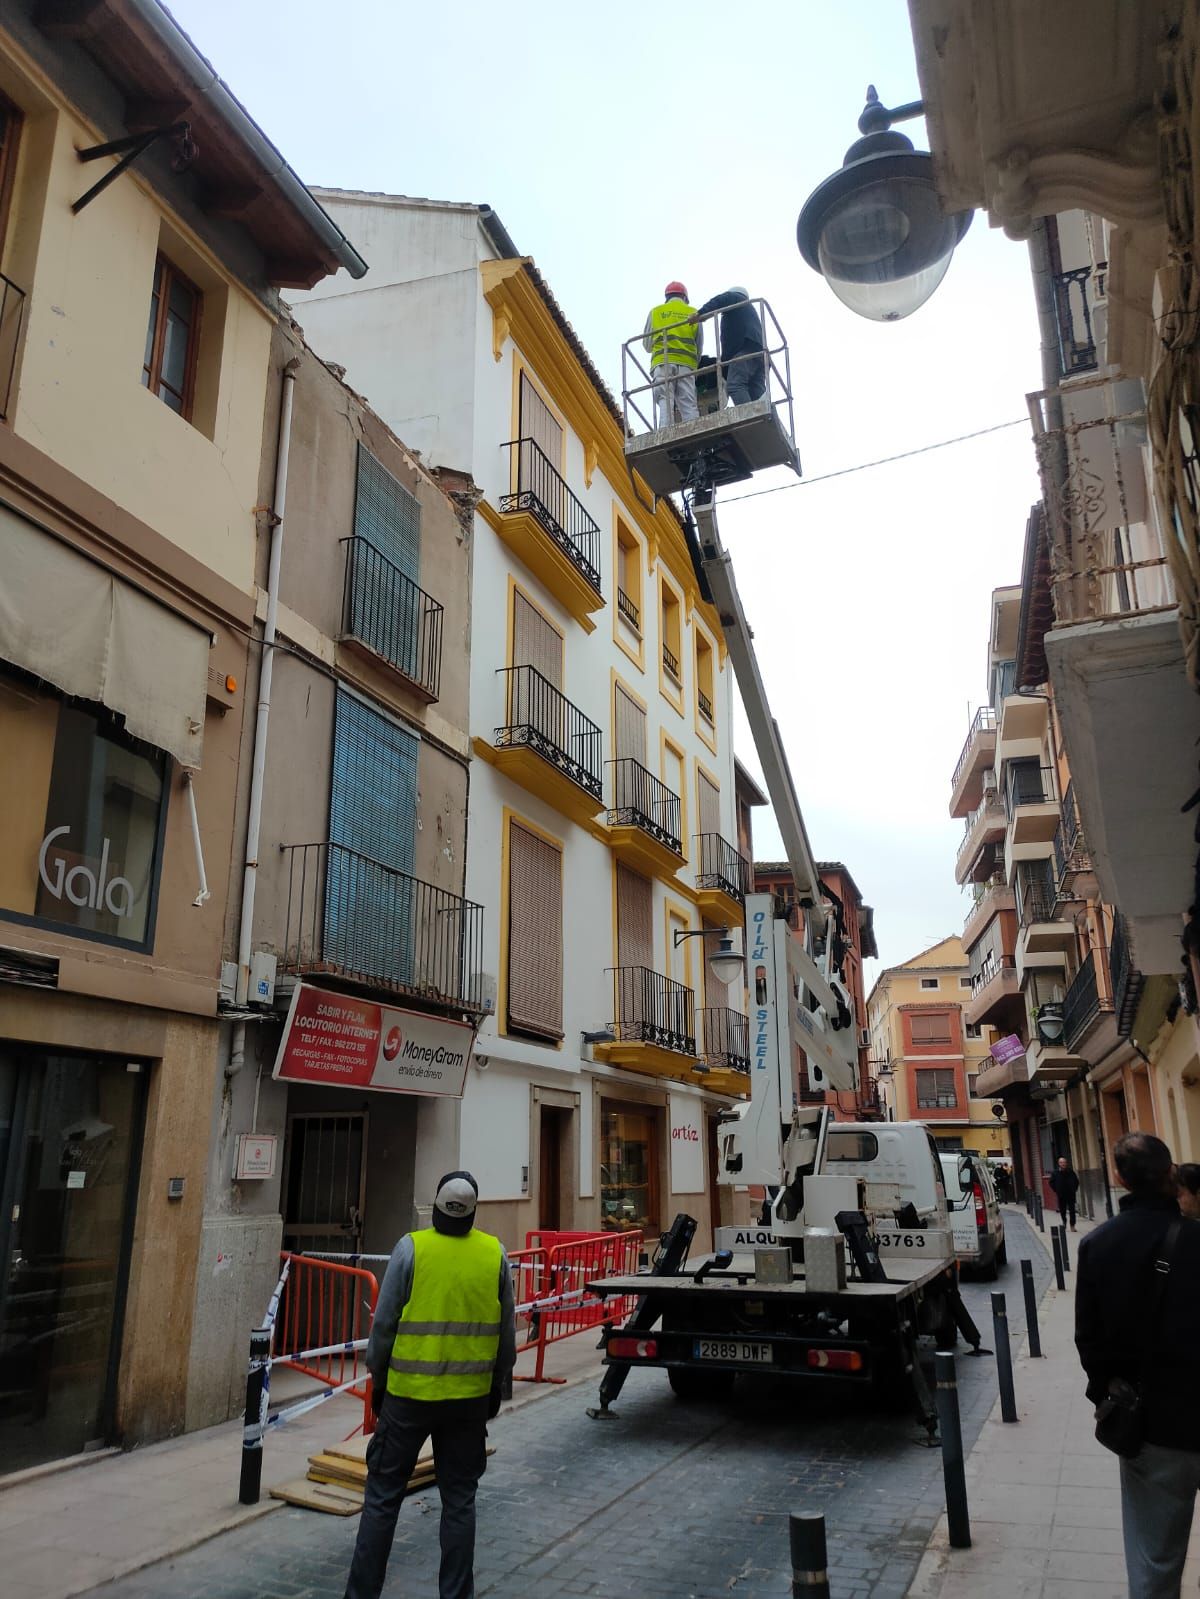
[742, 357]
[1117, 1336]
[441, 1353]
[1065, 1183]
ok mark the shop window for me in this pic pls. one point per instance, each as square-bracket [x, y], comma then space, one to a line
[936, 1090]
[930, 1027]
[704, 680]
[672, 646]
[535, 927]
[629, 579]
[172, 338]
[629, 1155]
[83, 827]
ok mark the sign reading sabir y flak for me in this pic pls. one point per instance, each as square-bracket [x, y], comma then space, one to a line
[355, 1043]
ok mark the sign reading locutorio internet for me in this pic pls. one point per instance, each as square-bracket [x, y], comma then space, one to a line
[354, 1043]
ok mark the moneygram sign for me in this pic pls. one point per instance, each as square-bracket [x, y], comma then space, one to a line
[354, 1043]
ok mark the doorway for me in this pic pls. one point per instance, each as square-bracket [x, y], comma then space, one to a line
[70, 1154]
[553, 1128]
[325, 1182]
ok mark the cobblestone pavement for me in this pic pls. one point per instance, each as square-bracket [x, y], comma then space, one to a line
[671, 1501]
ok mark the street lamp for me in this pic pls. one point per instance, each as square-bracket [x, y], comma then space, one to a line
[725, 963]
[875, 230]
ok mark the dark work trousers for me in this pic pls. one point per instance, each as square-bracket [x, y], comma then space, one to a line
[458, 1428]
[1066, 1209]
[745, 374]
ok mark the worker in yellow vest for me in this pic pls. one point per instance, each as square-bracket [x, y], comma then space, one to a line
[675, 342]
[441, 1353]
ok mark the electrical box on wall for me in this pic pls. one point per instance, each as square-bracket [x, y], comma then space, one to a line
[255, 1156]
[263, 966]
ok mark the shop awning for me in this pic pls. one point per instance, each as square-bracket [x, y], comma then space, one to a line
[81, 628]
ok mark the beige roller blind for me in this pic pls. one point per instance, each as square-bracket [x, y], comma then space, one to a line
[539, 423]
[535, 957]
[629, 733]
[635, 924]
[80, 627]
[535, 642]
[709, 797]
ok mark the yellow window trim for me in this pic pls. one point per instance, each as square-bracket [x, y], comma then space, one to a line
[666, 687]
[521, 365]
[507, 817]
[674, 912]
[665, 743]
[515, 588]
[615, 678]
[620, 627]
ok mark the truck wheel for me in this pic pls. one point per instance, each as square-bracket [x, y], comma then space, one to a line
[992, 1270]
[1002, 1254]
[689, 1384]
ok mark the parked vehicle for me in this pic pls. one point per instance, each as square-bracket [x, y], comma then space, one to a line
[975, 1217]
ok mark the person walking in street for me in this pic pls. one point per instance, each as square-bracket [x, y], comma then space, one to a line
[441, 1353]
[675, 341]
[1137, 1318]
[742, 357]
[1064, 1181]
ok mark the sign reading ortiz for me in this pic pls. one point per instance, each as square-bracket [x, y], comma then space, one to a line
[355, 1043]
[1005, 1049]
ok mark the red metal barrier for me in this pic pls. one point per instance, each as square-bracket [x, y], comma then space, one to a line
[326, 1304]
[547, 1238]
[570, 1267]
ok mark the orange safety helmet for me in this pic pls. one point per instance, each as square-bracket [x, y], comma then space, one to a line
[674, 287]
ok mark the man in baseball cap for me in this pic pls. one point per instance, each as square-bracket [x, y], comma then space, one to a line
[441, 1353]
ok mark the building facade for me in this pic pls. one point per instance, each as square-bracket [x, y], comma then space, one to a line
[602, 820]
[136, 323]
[927, 1055]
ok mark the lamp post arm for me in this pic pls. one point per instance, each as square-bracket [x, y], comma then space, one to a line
[877, 118]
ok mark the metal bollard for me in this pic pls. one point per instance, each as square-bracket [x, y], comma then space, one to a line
[1059, 1279]
[1029, 1203]
[1062, 1233]
[1004, 1369]
[958, 1516]
[1031, 1310]
[810, 1574]
[253, 1424]
[1039, 1212]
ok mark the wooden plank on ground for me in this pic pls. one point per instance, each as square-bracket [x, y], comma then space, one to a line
[334, 1501]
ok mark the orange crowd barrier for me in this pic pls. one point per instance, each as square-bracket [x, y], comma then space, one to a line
[327, 1309]
[565, 1307]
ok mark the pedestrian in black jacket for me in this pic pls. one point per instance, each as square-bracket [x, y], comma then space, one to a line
[1065, 1184]
[1117, 1336]
[742, 355]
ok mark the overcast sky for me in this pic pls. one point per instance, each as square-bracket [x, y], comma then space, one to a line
[626, 146]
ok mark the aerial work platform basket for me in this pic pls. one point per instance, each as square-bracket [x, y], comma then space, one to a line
[733, 436]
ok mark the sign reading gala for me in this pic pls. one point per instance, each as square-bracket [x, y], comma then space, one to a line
[355, 1043]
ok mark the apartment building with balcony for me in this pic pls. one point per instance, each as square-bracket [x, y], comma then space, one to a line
[857, 930]
[137, 311]
[1110, 219]
[927, 1055]
[602, 821]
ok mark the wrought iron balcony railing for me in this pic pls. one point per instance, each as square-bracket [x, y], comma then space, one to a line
[1071, 854]
[1084, 1001]
[355, 918]
[540, 717]
[542, 492]
[721, 867]
[706, 706]
[1029, 784]
[671, 662]
[1005, 966]
[12, 317]
[725, 1036]
[1073, 314]
[629, 610]
[640, 800]
[385, 610]
[984, 721]
[1127, 981]
[1036, 901]
[653, 1009]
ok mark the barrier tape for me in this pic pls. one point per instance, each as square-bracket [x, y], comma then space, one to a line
[273, 1304]
[310, 1403]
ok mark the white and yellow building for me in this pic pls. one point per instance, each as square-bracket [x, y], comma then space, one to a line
[602, 819]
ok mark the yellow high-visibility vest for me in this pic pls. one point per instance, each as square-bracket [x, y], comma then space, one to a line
[449, 1331]
[669, 342]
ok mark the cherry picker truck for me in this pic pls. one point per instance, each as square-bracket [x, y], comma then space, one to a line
[853, 1266]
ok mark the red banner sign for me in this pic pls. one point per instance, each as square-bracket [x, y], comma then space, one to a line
[355, 1043]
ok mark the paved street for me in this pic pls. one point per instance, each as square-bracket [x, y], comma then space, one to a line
[670, 1501]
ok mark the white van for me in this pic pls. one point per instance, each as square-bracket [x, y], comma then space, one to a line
[975, 1217]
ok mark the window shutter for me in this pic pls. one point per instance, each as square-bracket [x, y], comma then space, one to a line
[387, 515]
[709, 796]
[535, 642]
[635, 922]
[535, 959]
[539, 423]
[930, 1028]
[629, 734]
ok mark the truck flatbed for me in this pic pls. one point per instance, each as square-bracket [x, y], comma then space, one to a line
[905, 1274]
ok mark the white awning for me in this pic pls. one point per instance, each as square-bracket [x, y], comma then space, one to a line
[78, 626]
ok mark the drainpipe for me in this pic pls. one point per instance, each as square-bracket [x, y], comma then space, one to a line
[265, 675]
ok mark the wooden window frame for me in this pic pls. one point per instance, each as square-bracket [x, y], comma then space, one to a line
[929, 1017]
[152, 376]
[938, 1091]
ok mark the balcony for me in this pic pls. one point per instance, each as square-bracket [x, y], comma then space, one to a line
[983, 830]
[629, 610]
[991, 897]
[995, 995]
[644, 820]
[1127, 981]
[722, 879]
[1051, 1067]
[1073, 313]
[654, 1019]
[725, 1049]
[977, 757]
[549, 531]
[547, 745]
[706, 706]
[994, 1081]
[671, 665]
[371, 927]
[868, 1101]
[1022, 726]
[1073, 868]
[1088, 1010]
[388, 618]
[12, 317]
[1033, 811]
[1043, 938]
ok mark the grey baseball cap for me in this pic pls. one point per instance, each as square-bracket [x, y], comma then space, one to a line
[455, 1201]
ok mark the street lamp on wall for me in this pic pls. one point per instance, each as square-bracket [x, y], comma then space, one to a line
[875, 230]
[725, 962]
